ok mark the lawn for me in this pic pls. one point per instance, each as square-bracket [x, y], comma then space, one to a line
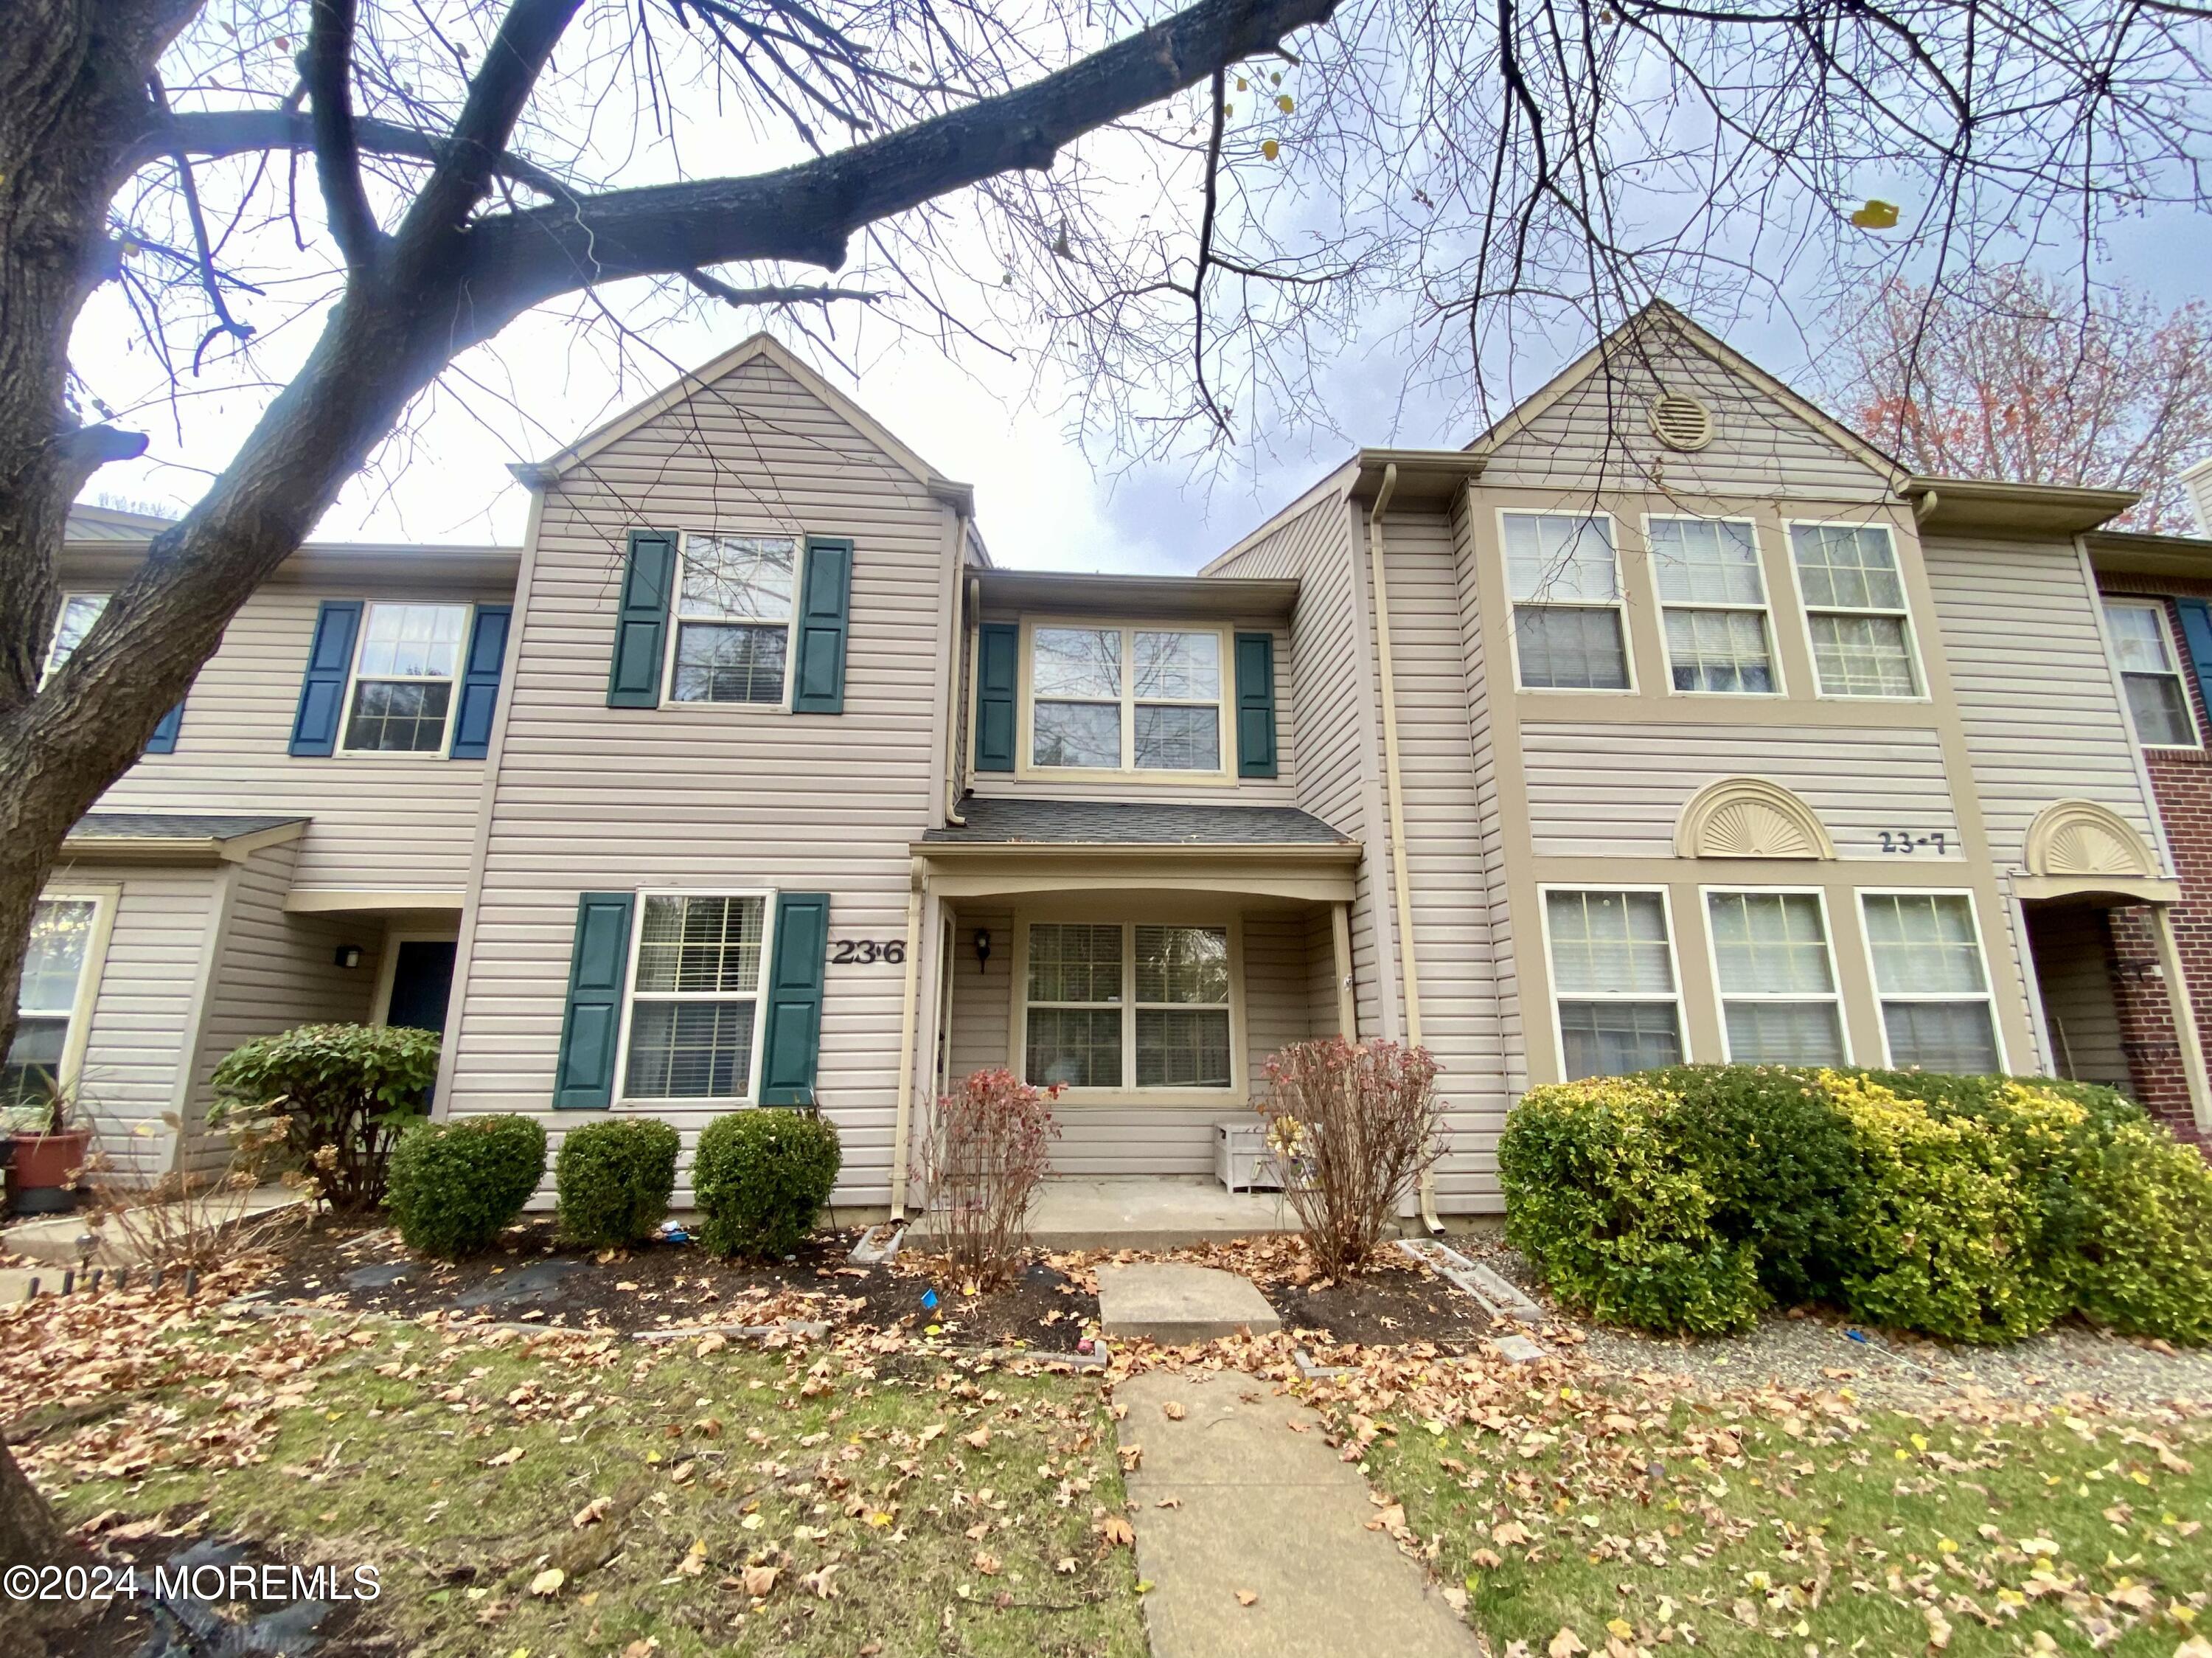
[572, 1497]
[1627, 1516]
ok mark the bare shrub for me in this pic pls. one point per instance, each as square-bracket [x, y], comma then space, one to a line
[1352, 1129]
[988, 1148]
[202, 1220]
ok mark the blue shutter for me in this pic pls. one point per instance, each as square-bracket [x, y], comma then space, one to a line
[599, 966]
[1256, 704]
[480, 682]
[793, 1042]
[164, 740]
[642, 622]
[998, 675]
[2196, 636]
[322, 690]
[825, 606]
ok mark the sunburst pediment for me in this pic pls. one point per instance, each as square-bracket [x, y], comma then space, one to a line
[1750, 818]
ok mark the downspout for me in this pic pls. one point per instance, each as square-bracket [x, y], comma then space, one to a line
[910, 1003]
[964, 707]
[1395, 796]
[957, 712]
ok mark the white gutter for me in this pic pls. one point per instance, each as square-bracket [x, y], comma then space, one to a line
[909, 1005]
[1400, 878]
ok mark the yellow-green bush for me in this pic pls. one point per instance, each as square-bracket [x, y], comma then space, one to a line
[1599, 1195]
[1975, 1208]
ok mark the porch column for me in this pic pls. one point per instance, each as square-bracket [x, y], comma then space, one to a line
[909, 1010]
[2184, 1017]
[1347, 1005]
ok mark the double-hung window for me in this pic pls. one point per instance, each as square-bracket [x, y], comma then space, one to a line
[1612, 978]
[2157, 699]
[1777, 977]
[1126, 698]
[733, 606]
[1565, 583]
[695, 997]
[405, 668]
[1108, 1001]
[51, 1001]
[1933, 983]
[1854, 610]
[79, 612]
[1712, 599]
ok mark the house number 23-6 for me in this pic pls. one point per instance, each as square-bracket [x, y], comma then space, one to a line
[866, 952]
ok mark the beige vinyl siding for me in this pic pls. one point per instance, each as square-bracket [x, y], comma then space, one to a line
[142, 1011]
[1617, 791]
[1452, 894]
[1598, 435]
[275, 972]
[712, 798]
[977, 1036]
[1281, 789]
[405, 823]
[2042, 720]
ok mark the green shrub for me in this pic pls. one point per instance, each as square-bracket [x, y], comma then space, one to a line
[1600, 1194]
[2147, 1252]
[329, 1099]
[613, 1179]
[1780, 1163]
[760, 1178]
[456, 1184]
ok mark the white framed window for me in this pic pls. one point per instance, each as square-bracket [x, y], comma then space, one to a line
[1712, 604]
[1564, 574]
[1616, 998]
[1775, 968]
[62, 964]
[1855, 613]
[732, 639]
[693, 1026]
[72, 622]
[2150, 669]
[1933, 982]
[1126, 1005]
[406, 667]
[1105, 698]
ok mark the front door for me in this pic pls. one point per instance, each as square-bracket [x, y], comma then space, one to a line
[421, 981]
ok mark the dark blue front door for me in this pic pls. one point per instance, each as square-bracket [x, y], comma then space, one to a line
[421, 981]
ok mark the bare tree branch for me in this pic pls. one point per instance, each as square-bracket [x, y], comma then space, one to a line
[213, 134]
[328, 71]
[745, 298]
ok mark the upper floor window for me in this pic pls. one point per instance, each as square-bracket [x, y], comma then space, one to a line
[78, 612]
[1854, 610]
[1565, 581]
[2150, 670]
[1713, 598]
[733, 606]
[402, 696]
[1933, 984]
[1126, 698]
[1612, 978]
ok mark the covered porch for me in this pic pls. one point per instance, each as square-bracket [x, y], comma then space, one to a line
[1148, 960]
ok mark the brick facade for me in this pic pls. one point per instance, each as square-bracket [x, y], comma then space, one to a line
[2181, 779]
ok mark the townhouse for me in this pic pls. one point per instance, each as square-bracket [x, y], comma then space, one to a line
[1666, 720]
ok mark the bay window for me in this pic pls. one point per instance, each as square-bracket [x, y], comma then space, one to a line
[1777, 977]
[1612, 982]
[1932, 981]
[1126, 698]
[1104, 1002]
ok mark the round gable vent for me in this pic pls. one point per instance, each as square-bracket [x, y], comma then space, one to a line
[1681, 421]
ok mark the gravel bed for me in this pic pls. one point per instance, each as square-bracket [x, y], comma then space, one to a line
[1815, 1351]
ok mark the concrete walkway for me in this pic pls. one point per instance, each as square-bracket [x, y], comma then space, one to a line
[1153, 1213]
[1257, 1508]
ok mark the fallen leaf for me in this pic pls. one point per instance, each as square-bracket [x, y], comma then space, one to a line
[694, 1559]
[986, 1562]
[1115, 1530]
[547, 1583]
[506, 1458]
[1245, 1597]
[1566, 1645]
[760, 1582]
[1173, 1411]
[1512, 1534]
[980, 1438]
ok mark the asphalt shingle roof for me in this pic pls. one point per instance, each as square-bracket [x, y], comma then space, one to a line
[172, 826]
[1134, 823]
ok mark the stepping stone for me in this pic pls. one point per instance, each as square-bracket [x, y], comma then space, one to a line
[380, 1277]
[1173, 1304]
[1228, 1497]
[539, 1284]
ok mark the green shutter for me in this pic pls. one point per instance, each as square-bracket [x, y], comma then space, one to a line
[825, 606]
[998, 674]
[642, 622]
[599, 966]
[1256, 704]
[794, 1038]
[2196, 636]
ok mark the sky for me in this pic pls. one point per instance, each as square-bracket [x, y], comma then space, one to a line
[1045, 497]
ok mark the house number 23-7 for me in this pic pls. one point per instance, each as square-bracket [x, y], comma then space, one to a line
[1905, 841]
[866, 952]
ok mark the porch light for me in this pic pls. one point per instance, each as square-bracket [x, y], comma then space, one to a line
[982, 949]
[347, 956]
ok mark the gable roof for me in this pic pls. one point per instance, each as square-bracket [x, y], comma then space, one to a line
[1659, 316]
[537, 474]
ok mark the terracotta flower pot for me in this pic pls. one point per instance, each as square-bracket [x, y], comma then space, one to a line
[38, 1183]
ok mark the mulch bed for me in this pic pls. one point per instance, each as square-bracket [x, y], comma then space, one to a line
[532, 1278]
